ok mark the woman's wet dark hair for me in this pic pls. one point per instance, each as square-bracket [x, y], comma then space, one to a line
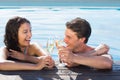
[81, 27]
[11, 32]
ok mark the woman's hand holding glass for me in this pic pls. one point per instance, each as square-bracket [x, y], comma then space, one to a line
[45, 62]
[49, 62]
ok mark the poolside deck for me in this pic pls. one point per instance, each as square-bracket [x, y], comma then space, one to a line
[63, 73]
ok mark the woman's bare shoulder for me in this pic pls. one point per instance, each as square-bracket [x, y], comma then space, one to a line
[3, 49]
[34, 45]
[35, 48]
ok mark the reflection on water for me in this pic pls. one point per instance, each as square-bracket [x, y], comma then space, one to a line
[51, 20]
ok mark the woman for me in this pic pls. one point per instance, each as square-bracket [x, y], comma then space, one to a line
[19, 53]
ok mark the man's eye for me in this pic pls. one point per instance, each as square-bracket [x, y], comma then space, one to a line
[69, 37]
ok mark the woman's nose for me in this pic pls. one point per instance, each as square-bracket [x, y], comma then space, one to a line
[30, 34]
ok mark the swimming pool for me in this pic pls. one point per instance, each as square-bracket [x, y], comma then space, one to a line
[50, 20]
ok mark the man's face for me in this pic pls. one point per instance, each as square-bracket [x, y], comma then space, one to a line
[71, 40]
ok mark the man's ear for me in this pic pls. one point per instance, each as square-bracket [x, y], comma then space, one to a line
[82, 39]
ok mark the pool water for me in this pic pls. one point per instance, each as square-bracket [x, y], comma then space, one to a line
[50, 20]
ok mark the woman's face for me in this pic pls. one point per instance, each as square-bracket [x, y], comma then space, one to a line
[24, 35]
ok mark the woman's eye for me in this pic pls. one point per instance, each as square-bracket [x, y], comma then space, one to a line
[25, 32]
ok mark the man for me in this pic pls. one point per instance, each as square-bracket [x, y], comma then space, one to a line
[77, 52]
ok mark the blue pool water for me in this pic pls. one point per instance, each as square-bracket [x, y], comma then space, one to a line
[50, 20]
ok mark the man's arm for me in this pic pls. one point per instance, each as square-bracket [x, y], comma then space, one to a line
[98, 62]
[95, 61]
[101, 49]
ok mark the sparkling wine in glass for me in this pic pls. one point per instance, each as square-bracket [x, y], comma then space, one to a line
[60, 43]
[50, 45]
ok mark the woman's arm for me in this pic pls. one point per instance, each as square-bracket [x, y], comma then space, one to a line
[34, 53]
[13, 65]
[39, 51]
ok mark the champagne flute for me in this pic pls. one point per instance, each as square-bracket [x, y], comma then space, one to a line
[60, 43]
[50, 45]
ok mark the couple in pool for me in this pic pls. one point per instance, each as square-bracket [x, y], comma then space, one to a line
[20, 54]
